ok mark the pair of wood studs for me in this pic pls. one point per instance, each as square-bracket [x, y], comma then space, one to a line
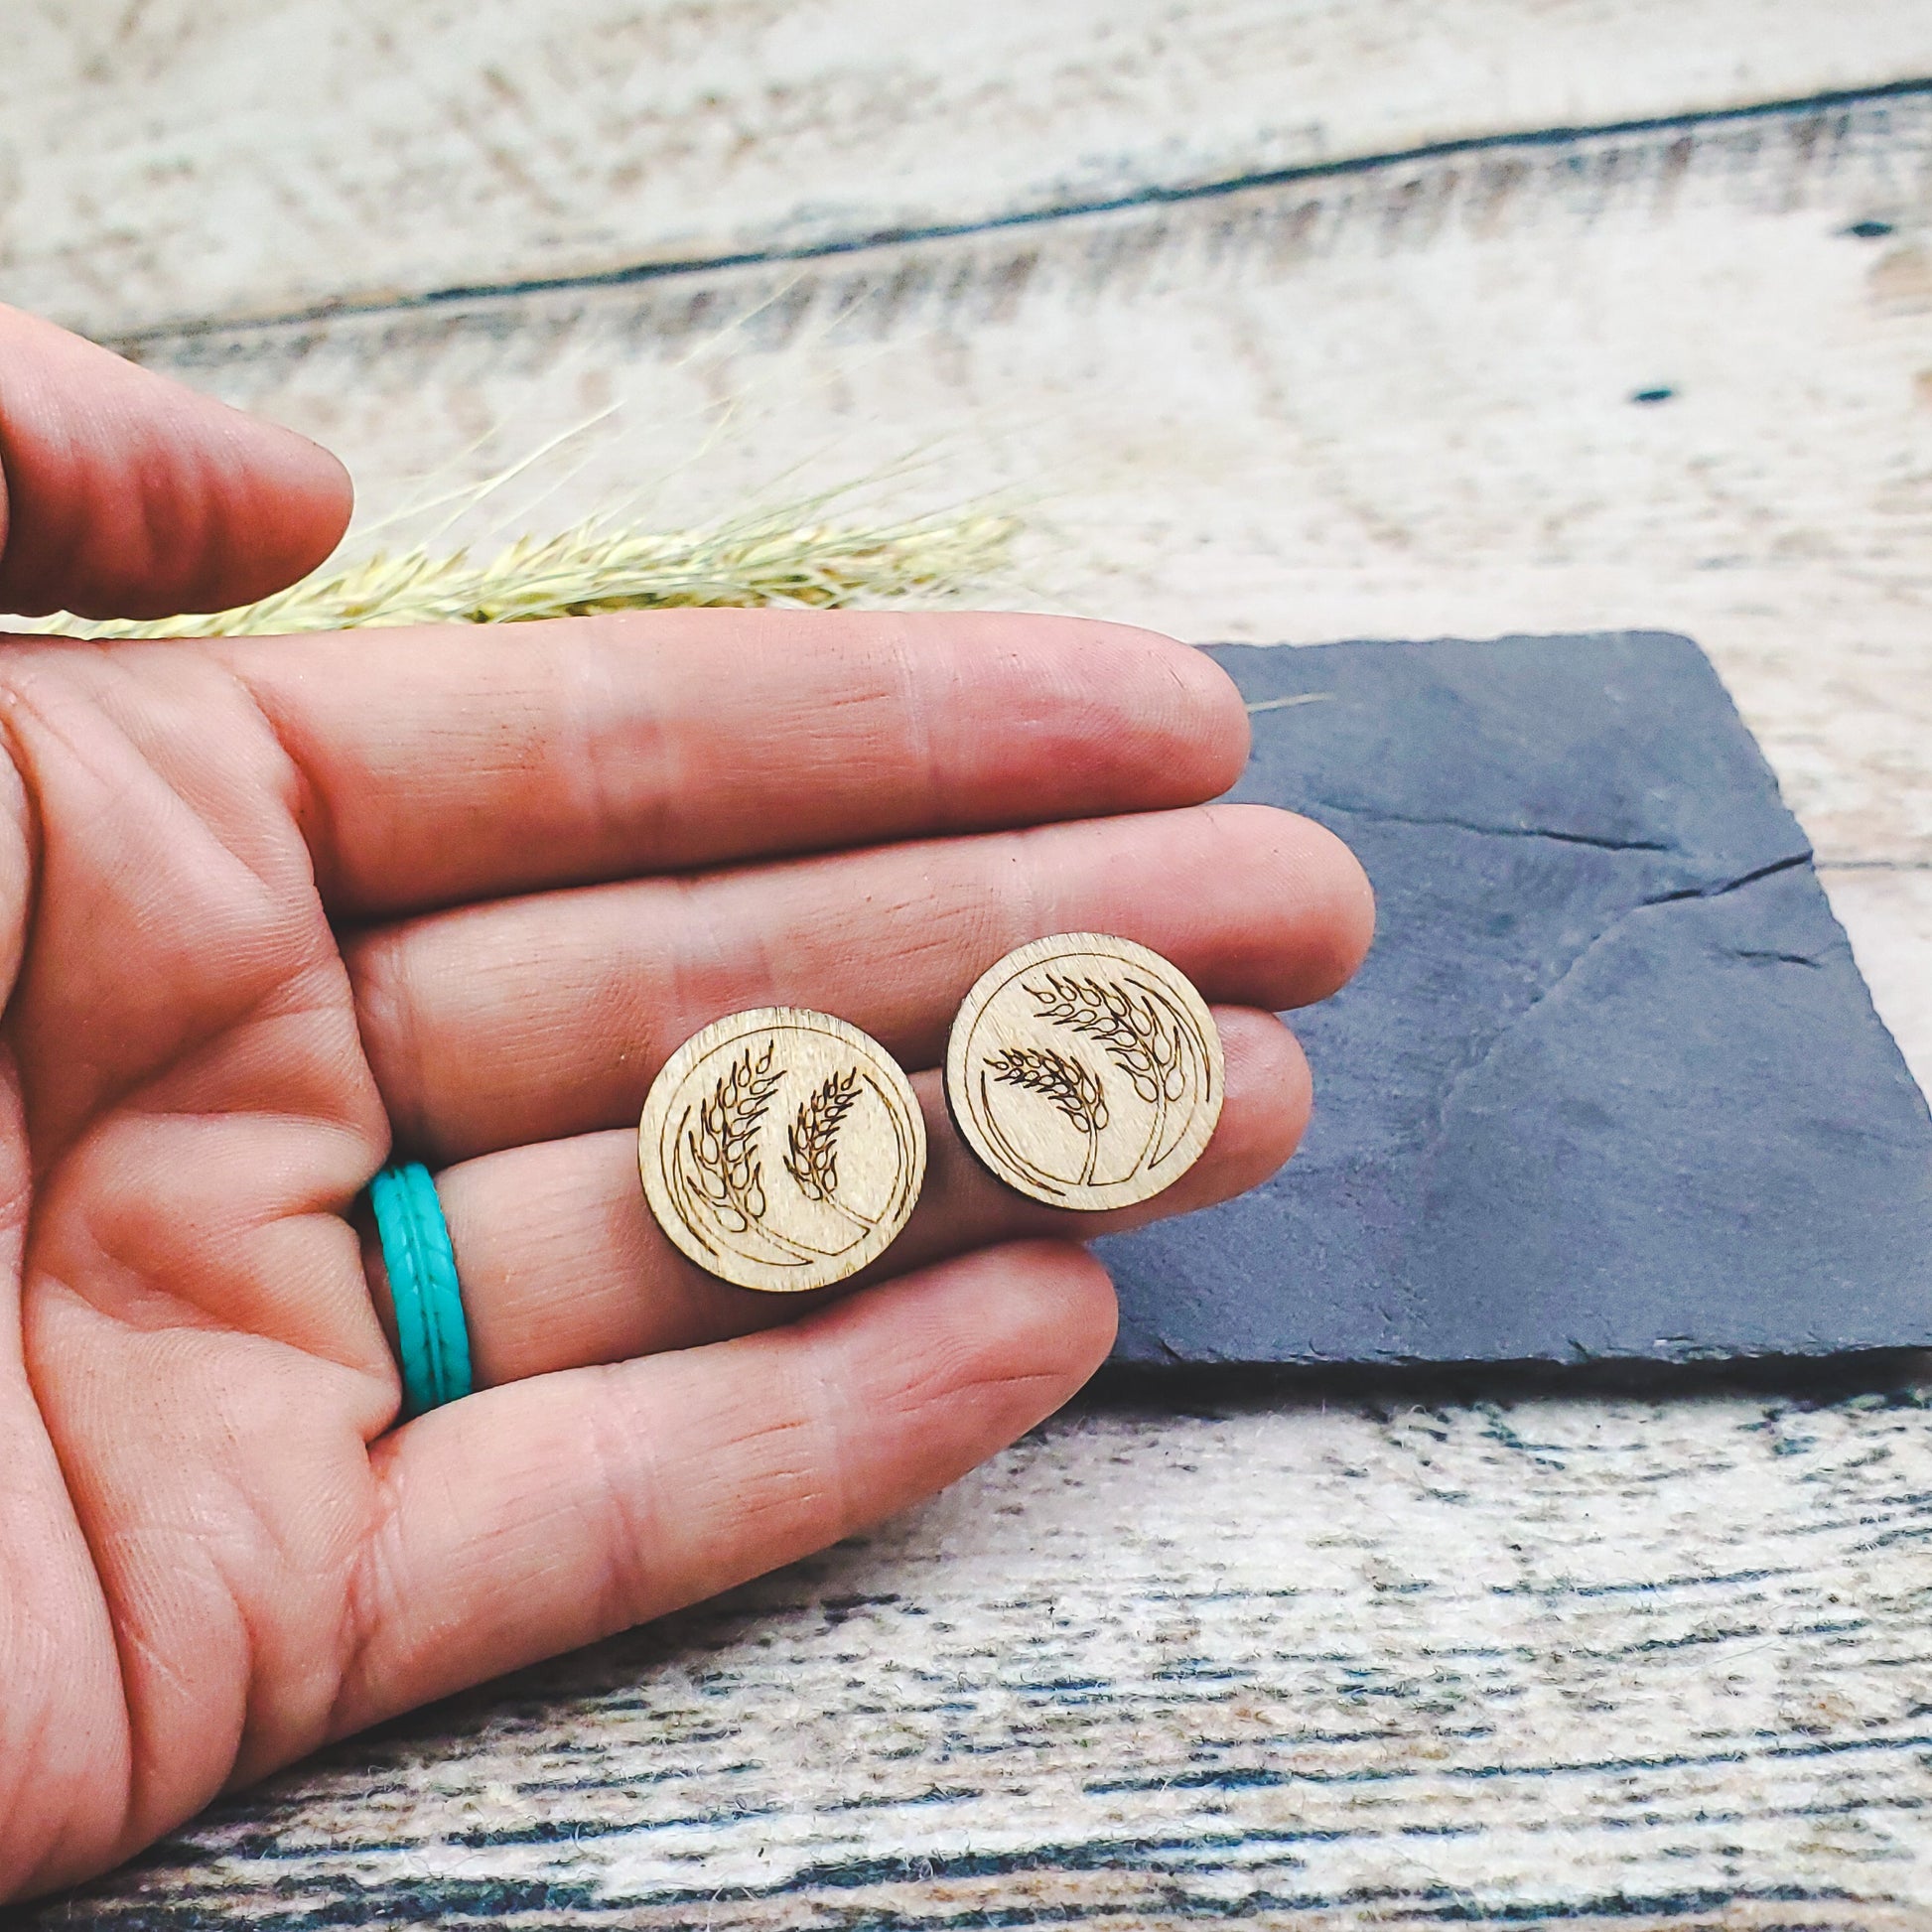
[784, 1150]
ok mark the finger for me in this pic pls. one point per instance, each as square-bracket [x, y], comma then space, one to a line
[563, 1265]
[443, 765]
[536, 1517]
[531, 1021]
[125, 496]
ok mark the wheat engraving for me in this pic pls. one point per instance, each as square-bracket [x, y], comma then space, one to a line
[1063, 1080]
[812, 1159]
[711, 1152]
[1141, 1032]
[727, 1171]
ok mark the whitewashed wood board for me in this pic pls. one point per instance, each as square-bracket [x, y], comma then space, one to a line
[189, 158]
[1290, 1660]
[1886, 911]
[1415, 1654]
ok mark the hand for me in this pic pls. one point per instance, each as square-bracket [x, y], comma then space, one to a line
[268, 907]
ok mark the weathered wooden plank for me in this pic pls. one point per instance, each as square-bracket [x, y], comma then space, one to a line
[185, 158]
[1399, 1662]
[1886, 911]
[1403, 403]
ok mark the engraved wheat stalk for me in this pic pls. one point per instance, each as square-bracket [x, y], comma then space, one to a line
[813, 1140]
[1137, 1030]
[1063, 1080]
[723, 1145]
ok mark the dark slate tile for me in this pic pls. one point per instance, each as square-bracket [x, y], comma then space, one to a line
[1611, 1084]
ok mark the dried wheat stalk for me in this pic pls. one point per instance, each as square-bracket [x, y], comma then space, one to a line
[776, 557]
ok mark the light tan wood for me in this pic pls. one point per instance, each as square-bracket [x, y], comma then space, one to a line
[193, 158]
[781, 1149]
[1085, 1071]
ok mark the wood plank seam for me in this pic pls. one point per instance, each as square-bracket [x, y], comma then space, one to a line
[1810, 111]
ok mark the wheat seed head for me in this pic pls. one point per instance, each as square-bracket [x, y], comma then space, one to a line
[783, 557]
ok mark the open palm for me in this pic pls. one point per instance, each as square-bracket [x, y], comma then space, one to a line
[270, 908]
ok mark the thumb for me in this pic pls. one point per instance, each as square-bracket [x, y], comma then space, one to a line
[125, 496]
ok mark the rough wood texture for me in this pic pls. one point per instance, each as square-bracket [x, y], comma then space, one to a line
[186, 158]
[1405, 1662]
[1886, 911]
[1297, 1655]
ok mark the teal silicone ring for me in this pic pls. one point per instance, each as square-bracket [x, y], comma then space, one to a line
[431, 1337]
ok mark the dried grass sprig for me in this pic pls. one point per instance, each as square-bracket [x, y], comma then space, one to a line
[780, 557]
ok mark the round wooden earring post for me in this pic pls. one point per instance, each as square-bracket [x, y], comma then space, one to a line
[1085, 1071]
[781, 1149]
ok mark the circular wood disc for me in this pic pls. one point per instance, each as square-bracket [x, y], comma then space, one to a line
[1085, 1071]
[781, 1148]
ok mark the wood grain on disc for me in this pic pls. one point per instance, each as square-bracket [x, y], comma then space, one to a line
[1085, 1071]
[781, 1148]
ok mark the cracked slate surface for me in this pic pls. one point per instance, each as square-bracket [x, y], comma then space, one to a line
[1610, 1085]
